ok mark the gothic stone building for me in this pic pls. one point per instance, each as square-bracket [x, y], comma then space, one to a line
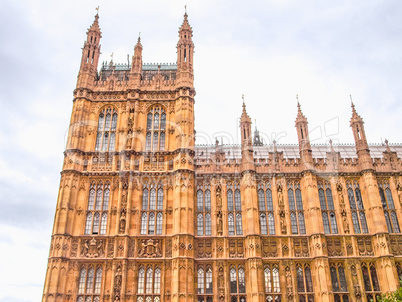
[145, 215]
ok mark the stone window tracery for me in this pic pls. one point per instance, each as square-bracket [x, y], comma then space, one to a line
[304, 283]
[89, 283]
[204, 284]
[389, 207]
[149, 283]
[339, 284]
[235, 224]
[204, 222]
[152, 206]
[297, 222]
[266, 209]
[272, 285]
[106, 134]
[370, 279]
[327, 208]
[156, 128]
[237, 283]
[358, 214]
[98, 205]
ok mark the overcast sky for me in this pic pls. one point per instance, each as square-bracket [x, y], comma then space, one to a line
[267, 50]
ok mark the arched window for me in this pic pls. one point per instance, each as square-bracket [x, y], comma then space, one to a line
[157, 281]
[208, 224]
[304, 282]
[81, 284]
[272, 287]
[327, 208]
[200, 225]
[234, 209]
[297, 221]
[149, 284]
[98, 281]
[106, 135]
[98, 206]
[263, 224]
[204, 223]
[388, 206]
[266, 209]
[156, 126]
[239, 227]
[89, 284]
[90, 280]
[201, 281]
[152, 206]
[231, 224]
[339, 285]
[370, 280]
[237, 283]
[159, 224]
[358, 215]
[141, 280]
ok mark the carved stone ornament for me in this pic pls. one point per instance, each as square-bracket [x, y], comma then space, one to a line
[92, 248]
[150, 248]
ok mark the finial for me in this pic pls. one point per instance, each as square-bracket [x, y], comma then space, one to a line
[386, 143]
[111, 57]
[298, 103]
[275, 150]
[351, 101]
[97, 10]
[185, 9]
[332, 147]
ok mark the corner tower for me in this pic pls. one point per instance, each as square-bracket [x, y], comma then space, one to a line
[90, 56]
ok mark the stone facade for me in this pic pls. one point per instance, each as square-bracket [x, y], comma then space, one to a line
[145, 215]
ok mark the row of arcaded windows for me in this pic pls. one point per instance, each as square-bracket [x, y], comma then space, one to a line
[155, 131]
[89, 284]
[149, 283]
[97, 211]
[152, 208]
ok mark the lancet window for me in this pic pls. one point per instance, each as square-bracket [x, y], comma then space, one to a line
[272, 285]
[370, 279]
[266, 209]
[97, 211]
[357, 208]
[237, 279]
[339, 285]
[156, 129]
[149, 284]
[204, 284]
[327, 208]
[152, 207]
[89, 284]
[388, 207]
[204, 223]
[106, 134]
[304, 283]
[296, 208]
[235, 225]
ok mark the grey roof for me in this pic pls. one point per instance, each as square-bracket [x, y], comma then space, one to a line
[155, 66]
[292, 151]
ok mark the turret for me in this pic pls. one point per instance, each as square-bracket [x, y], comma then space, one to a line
[362, 149]
[247, 152]
[90, 56]
[136, 65]
[301, 125]
[185, 51]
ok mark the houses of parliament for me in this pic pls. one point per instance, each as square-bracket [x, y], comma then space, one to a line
[145, 215]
